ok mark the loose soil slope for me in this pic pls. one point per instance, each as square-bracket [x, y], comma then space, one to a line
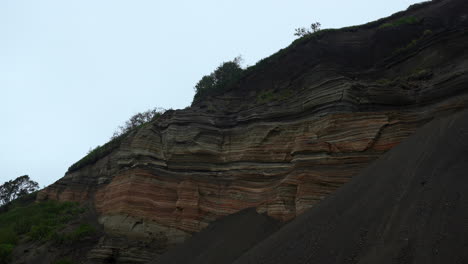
[410, 206]
[224, 240]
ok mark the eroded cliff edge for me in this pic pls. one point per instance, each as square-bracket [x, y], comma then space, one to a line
[294, 129]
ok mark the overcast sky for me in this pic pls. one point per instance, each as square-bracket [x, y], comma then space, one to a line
[72, 71]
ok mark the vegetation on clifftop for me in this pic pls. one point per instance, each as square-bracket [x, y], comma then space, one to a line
[226, 75]
[97, 153]
[25, 220]
[314, 27]
[135, 122]
[304, 35]
[402, 21]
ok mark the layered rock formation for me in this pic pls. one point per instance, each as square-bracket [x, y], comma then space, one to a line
[295, 128]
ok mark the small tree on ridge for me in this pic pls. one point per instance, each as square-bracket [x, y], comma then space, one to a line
[17, 188]
[138, 119]
[301, 32]
[226, 74]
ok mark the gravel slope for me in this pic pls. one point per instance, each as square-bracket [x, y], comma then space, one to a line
[224, 240]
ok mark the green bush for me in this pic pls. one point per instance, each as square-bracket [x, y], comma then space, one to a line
[301, 32]
[427, 32]
[41, 232]
[134, 123]
[97, 153]
[413, 43]
[267, 96]
[384, 81]
[38, 221]
[223, 78]
[5, 253]
[78, 234]
[42, 221]
[8, 236]
[83, 231]
[402, 21]
[420, 74]
[22, 226]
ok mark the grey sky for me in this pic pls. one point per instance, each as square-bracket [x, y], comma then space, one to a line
[72, 71]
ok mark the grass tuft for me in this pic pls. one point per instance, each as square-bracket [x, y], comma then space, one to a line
[97, 153]
[5, 253]
[402, 21]
[38, 222]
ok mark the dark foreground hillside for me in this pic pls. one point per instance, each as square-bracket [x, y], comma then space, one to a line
[410, 206]
[225, 240]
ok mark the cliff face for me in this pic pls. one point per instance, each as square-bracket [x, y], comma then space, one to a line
[292, 131]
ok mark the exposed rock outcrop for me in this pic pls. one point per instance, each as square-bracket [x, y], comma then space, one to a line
[294, 129]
